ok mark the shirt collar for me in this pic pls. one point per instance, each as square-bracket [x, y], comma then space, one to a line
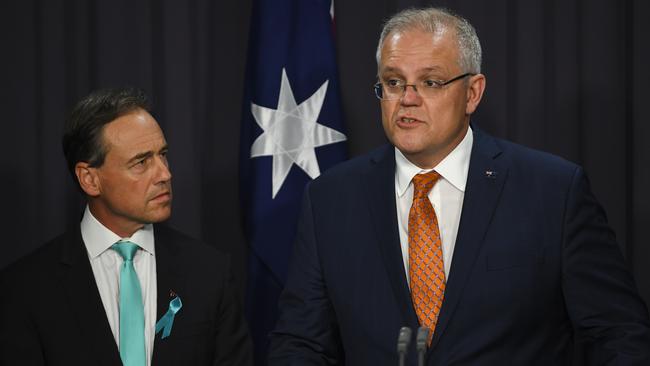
[98, 238]
[453, 168]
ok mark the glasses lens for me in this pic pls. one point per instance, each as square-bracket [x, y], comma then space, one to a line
[378, 90]
[392, 92]
[387, 93]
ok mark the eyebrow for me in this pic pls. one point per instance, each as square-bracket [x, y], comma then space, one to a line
[424, 70]
[146, 154]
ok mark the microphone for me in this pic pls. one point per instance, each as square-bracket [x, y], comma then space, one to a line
[403, 340]
[421, 343]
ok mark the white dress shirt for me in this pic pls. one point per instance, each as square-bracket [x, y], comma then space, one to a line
[106, 264]
[446, 196]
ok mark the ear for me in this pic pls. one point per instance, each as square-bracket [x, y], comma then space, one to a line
[474, 92]
[87, 178]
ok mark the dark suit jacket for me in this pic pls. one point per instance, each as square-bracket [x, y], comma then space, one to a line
[535, 268]
[51, 312]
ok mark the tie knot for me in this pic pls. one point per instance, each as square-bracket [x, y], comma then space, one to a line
[422, 183]
[126, 249]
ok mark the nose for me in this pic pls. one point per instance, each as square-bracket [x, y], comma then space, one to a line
[164, 174]
[410, 96]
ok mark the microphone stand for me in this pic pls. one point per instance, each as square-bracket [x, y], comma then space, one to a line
[403, 340]
[421, 340]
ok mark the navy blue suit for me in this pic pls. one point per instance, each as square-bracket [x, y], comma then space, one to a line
[535, 269]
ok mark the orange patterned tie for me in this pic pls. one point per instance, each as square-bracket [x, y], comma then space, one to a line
[426, 268]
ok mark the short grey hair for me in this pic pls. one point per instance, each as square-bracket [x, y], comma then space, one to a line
[432, 20]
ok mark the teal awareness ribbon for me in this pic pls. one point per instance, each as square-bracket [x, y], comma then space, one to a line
[132, 347]
[167, 321]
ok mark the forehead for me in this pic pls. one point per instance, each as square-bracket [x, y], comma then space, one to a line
[136, 131]
[419, 50]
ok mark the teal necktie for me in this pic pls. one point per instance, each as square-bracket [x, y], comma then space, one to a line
[132, 348]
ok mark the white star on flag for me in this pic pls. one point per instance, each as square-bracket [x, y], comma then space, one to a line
[291, 132]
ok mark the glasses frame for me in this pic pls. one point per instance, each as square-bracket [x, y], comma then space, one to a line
[378, 87]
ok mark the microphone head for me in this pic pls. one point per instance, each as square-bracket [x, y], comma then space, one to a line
[421, 338]
[403, 339]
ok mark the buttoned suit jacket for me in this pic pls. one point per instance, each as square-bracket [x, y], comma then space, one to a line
[51, 312]
[535, 269]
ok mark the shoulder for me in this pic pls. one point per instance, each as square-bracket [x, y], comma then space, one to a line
[186, 249]
[524, 159]
[361, 163]
[50, 252]
[352, 171]
[38, 266]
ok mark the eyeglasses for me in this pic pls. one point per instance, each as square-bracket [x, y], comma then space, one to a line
[394, 89]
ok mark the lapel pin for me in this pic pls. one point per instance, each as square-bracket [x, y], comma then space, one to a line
[172, 293]
[491, 174]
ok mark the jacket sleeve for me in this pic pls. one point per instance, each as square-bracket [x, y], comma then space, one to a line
[233, 342]
[307, 331]
[609, 317]
[19, 339]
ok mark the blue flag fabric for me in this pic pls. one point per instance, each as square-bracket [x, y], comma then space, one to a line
[291, 131]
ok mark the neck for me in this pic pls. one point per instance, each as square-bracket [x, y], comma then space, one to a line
[118, 225]
[429, 159]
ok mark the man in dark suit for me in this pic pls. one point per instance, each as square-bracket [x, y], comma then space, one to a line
[501, 251]
[117, 289]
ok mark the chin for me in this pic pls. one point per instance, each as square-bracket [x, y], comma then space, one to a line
[409, 147]
[160, 216]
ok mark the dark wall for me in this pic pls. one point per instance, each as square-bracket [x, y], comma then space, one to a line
[568, 77]
[189, 56]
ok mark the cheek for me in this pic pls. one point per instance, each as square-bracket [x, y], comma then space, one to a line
[435, 110]
[387, 111]
[132, 193]
[442, 114]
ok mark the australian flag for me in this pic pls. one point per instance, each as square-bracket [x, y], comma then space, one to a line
[292, 130]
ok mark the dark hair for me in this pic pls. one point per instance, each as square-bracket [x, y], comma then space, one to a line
[83, 133]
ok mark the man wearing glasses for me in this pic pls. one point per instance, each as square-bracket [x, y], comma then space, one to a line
[500, 251]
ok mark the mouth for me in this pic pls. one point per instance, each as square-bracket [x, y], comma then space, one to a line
[406, 121]
[163, 197]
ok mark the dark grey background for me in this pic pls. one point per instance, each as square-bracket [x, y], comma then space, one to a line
[570, 77]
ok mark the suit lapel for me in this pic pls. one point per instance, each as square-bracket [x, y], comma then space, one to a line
[80, 287]
[169, 283]
[380, 181]
[486, 176]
